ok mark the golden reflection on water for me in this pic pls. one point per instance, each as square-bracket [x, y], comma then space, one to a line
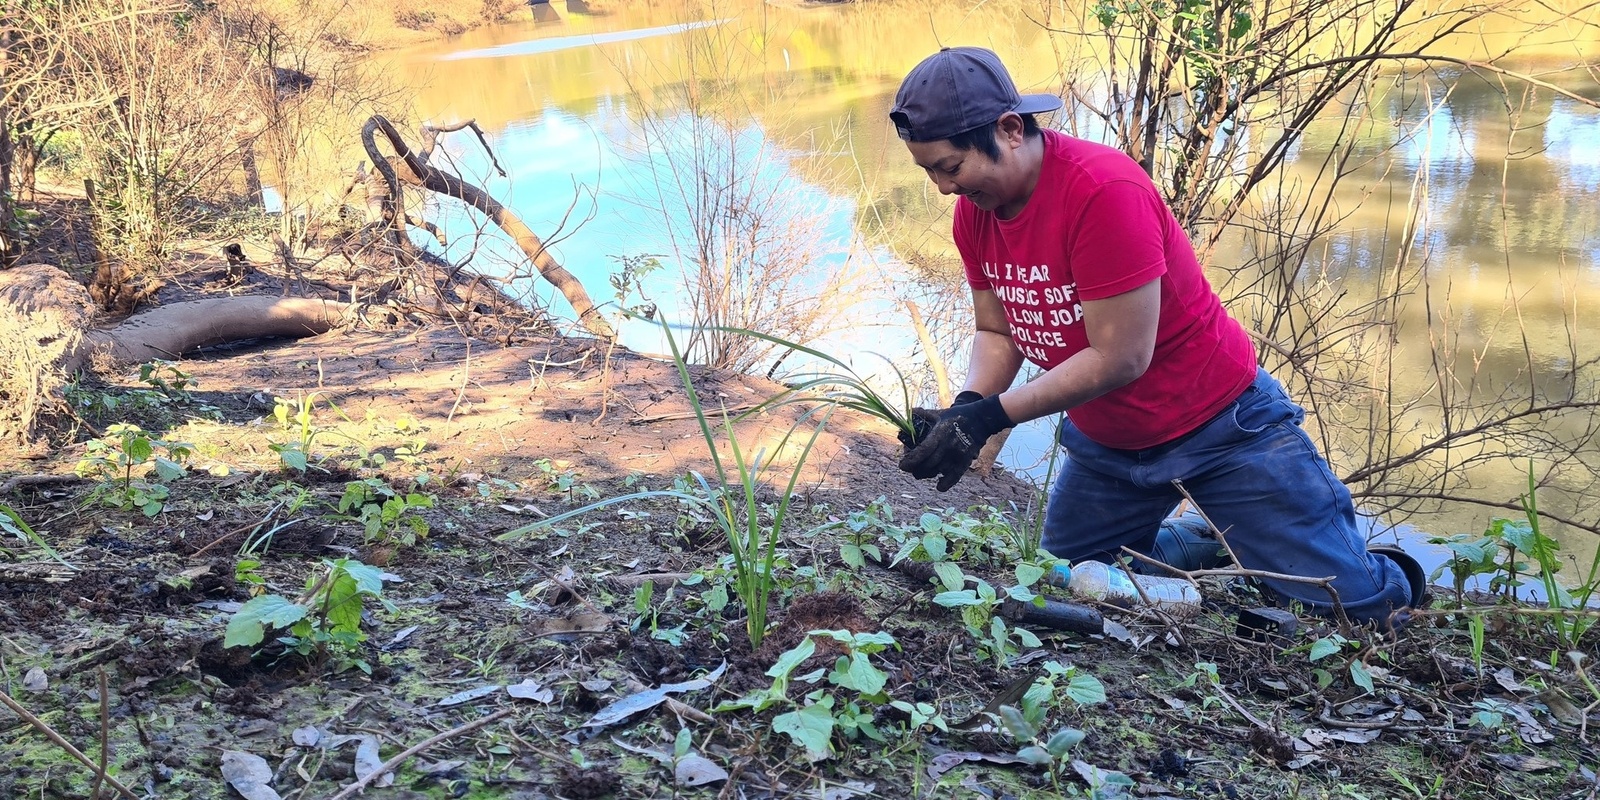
[1505, 239]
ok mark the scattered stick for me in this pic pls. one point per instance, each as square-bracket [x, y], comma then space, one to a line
[662, 580]
[740, 409]
[105, 734]
[1326, 584]
[252, 527]
[391, 764]
[50, 733]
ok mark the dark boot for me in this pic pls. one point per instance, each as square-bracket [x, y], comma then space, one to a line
[1416, 576]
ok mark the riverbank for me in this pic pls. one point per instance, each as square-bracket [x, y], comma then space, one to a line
[477, 438]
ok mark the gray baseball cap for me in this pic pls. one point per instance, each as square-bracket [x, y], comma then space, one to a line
[958, 89]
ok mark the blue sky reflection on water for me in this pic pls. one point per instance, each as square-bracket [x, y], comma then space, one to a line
[617, 194]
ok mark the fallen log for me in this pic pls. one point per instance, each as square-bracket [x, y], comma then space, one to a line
[170, 331]
[45, 336]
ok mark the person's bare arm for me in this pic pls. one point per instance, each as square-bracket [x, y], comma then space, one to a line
[995, 358]
[1122, 340]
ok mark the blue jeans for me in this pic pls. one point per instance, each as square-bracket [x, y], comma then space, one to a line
[1259, 478]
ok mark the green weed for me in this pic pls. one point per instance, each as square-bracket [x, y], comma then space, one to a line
[124, 460]
[324, 622]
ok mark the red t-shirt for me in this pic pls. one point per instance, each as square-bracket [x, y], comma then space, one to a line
[1096, 227]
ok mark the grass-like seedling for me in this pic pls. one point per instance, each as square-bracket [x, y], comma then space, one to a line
[734, 499]
[839, 384]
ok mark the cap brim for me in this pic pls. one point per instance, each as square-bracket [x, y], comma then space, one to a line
[1038, 104]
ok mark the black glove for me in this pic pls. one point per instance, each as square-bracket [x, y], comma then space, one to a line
[923, 419]
[955, 440]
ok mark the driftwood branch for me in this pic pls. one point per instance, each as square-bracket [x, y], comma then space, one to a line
[419, 173]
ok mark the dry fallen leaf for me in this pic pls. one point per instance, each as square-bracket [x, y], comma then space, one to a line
[35, 680]
[649, 698]
[1523, 763]
[248, 774]
[697, 770]
[469, 695]
[531, 689]
[1318, 737]
[945, 762]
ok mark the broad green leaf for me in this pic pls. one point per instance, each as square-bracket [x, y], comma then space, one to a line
[1035, 755]
[248, 624]
[369, 579]
[1360, 675]
[1021, 594]
[936, 546]
[965, 597]
[930, 522]
[1027, 638]
[138, 449]
[1086, 689]
[1322, 648]
[717, 598]
[950, 575]
[811, 727]
[852, 556]
[1028, 574]
[169, 470]
[1063, 740]
[343, 607]
[1018, 726]
[791, 659]
[856, 672]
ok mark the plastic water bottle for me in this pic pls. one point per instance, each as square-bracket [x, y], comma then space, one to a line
[1106, 583]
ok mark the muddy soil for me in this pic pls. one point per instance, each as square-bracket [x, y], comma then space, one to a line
[497, 436]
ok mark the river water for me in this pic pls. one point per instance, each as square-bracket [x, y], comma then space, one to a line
[602, 122]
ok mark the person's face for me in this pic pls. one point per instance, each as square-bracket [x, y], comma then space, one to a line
[990, 185]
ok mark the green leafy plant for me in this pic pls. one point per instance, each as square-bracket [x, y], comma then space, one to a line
[1495, 553]
[123, 461]
[323, 622]
[849, 709]
[385, 514]
[167, 378]
[297, 417]
[1334, 643]
[647, 614]
[563, 480]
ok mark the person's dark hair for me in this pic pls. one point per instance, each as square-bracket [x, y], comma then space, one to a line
[982, 138]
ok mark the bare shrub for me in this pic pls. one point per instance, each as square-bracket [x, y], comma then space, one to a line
[170, 132]
[1213, 97]
[752, 253]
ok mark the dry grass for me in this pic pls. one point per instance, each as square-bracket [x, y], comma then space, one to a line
[43, 314]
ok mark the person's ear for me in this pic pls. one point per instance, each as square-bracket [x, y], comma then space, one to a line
[1010, 130]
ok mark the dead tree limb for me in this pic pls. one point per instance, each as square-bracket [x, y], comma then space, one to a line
[419, 173]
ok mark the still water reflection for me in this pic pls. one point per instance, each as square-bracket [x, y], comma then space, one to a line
[590, 113]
